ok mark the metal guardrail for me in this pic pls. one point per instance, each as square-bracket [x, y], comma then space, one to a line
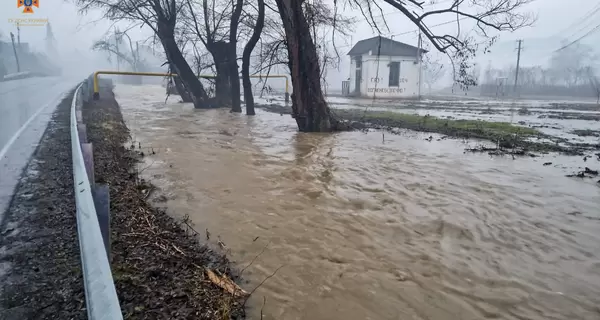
[92, 213]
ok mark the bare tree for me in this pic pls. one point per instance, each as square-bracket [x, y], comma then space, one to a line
[569, 64]
[257, 31]
[220, 39]
[160, 16]
[308, 103]
[433, 72]
[594, 81]
[132, 57]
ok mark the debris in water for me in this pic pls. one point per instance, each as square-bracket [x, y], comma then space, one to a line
[579, 174]
[225, 283]
[547, 163]
[582, 174]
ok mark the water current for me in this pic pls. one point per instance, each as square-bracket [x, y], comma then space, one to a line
[374, 226]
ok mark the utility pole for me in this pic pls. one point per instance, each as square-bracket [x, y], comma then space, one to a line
[420, 60]
[12, 38]
[518, 63]
[117, 42]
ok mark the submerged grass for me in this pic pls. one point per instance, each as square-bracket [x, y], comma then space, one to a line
[435, 124]
[505, 135]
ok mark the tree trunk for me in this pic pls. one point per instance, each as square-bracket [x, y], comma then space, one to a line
[234, 75]
[221, 54]
[234, 79]
[191, 84]
[183, 93]
[308, 103]
[258, 27]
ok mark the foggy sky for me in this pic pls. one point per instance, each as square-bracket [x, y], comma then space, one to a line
[555, 17]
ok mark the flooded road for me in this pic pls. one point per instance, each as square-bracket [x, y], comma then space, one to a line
[372, 226]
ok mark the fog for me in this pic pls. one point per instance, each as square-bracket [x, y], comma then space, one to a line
[76, 33]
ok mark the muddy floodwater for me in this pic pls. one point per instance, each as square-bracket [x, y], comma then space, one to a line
[373, 226]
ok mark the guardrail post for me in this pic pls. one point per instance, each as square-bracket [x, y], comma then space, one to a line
[83, 91]
[101, 195]
[287, 97]
[82, 132]
[88, 160]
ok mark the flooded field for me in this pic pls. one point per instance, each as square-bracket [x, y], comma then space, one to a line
[356, 226]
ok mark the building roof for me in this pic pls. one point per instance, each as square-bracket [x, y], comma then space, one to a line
[388, 47]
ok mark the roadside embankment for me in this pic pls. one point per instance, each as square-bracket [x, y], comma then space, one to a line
[161, 271]
[40, 270]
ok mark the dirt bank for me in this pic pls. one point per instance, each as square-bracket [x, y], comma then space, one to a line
[158, 264]
[40, 271]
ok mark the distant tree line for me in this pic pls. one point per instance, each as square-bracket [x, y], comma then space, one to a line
[572, 71]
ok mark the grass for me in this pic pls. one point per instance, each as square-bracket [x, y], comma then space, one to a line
[504, 134]
[445, 126]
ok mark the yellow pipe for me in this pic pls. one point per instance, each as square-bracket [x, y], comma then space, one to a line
[158, 74]
[287, 85]
[152, 74]
[287, 82]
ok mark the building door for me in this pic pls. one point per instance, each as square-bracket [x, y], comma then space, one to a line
[358, 75]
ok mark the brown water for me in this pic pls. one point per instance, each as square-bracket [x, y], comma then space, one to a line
[370, 229]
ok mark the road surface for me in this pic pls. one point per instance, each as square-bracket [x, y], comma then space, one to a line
[26, 106]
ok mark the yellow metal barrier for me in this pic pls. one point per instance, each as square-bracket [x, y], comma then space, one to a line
[158, 74]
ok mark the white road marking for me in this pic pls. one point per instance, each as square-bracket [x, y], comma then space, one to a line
[24, 126]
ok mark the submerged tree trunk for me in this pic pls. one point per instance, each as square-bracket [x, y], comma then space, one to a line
[308, 103]
[191, 84]
[181, 91]
[258, 27]
[221, 54]
[234, 75]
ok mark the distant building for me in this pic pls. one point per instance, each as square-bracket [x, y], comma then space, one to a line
[384, 67]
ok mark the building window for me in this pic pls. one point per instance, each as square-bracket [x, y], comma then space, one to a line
[358, 62]
[394, 74]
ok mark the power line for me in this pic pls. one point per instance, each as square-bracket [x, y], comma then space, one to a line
[415, 30]
[580, 20]
[432, 26]
[591, 22]
[596, 9]
[578, 39]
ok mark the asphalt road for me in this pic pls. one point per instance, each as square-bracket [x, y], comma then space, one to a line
[26, 106]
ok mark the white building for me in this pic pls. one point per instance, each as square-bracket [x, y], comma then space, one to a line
[393, 73]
